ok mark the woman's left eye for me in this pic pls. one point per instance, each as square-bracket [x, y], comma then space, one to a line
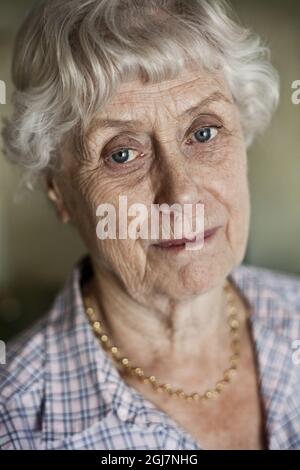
[123, 155]
[205, 134]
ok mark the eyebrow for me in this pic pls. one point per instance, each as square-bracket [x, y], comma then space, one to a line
[117, 123]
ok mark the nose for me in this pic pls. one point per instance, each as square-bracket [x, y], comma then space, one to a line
[176, 182]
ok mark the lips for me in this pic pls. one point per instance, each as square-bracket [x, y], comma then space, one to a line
[182, 241]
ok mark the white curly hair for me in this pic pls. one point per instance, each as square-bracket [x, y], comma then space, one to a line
[70, 56]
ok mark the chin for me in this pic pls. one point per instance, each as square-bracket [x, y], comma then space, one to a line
[198, 278]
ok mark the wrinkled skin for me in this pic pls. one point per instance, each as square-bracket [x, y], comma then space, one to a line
[166, 309]
[174, 169]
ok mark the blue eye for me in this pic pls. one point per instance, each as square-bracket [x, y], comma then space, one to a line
[205, 134]
[123, 156]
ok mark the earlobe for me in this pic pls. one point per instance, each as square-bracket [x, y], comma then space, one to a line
[52, 195]
[55, 196]
[65, 218]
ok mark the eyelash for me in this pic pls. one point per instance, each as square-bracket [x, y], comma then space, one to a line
[216, 127]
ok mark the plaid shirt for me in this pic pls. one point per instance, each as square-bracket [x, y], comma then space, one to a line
[60, 389]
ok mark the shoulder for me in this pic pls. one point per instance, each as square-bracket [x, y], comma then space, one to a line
[284, 284]
[273, 295]
[274, 298]
[21, 387]
[24, 362]
[26, 353]
[23, 376]
[54, 380]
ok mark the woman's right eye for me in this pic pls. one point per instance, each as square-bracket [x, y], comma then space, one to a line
[124, 155]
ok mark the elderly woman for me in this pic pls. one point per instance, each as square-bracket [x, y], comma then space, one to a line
[150, 345]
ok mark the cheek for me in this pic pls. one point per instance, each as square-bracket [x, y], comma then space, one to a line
[229, 184]
[115, 253]
[239, 208]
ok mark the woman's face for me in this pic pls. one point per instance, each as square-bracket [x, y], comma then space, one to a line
[170, 154]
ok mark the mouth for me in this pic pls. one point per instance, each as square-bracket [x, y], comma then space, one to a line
[179, 244]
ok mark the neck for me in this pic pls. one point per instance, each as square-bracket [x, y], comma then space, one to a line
[154, 328]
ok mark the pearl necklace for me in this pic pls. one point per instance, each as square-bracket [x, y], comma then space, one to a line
[129, 367]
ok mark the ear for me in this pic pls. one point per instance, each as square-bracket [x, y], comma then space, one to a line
[54, 194]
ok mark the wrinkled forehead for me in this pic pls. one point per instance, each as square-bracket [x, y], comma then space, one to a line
[175, 96]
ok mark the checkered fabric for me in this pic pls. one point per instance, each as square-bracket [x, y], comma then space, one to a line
[60, 390]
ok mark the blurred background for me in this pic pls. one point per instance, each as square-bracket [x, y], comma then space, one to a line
[37, 252]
